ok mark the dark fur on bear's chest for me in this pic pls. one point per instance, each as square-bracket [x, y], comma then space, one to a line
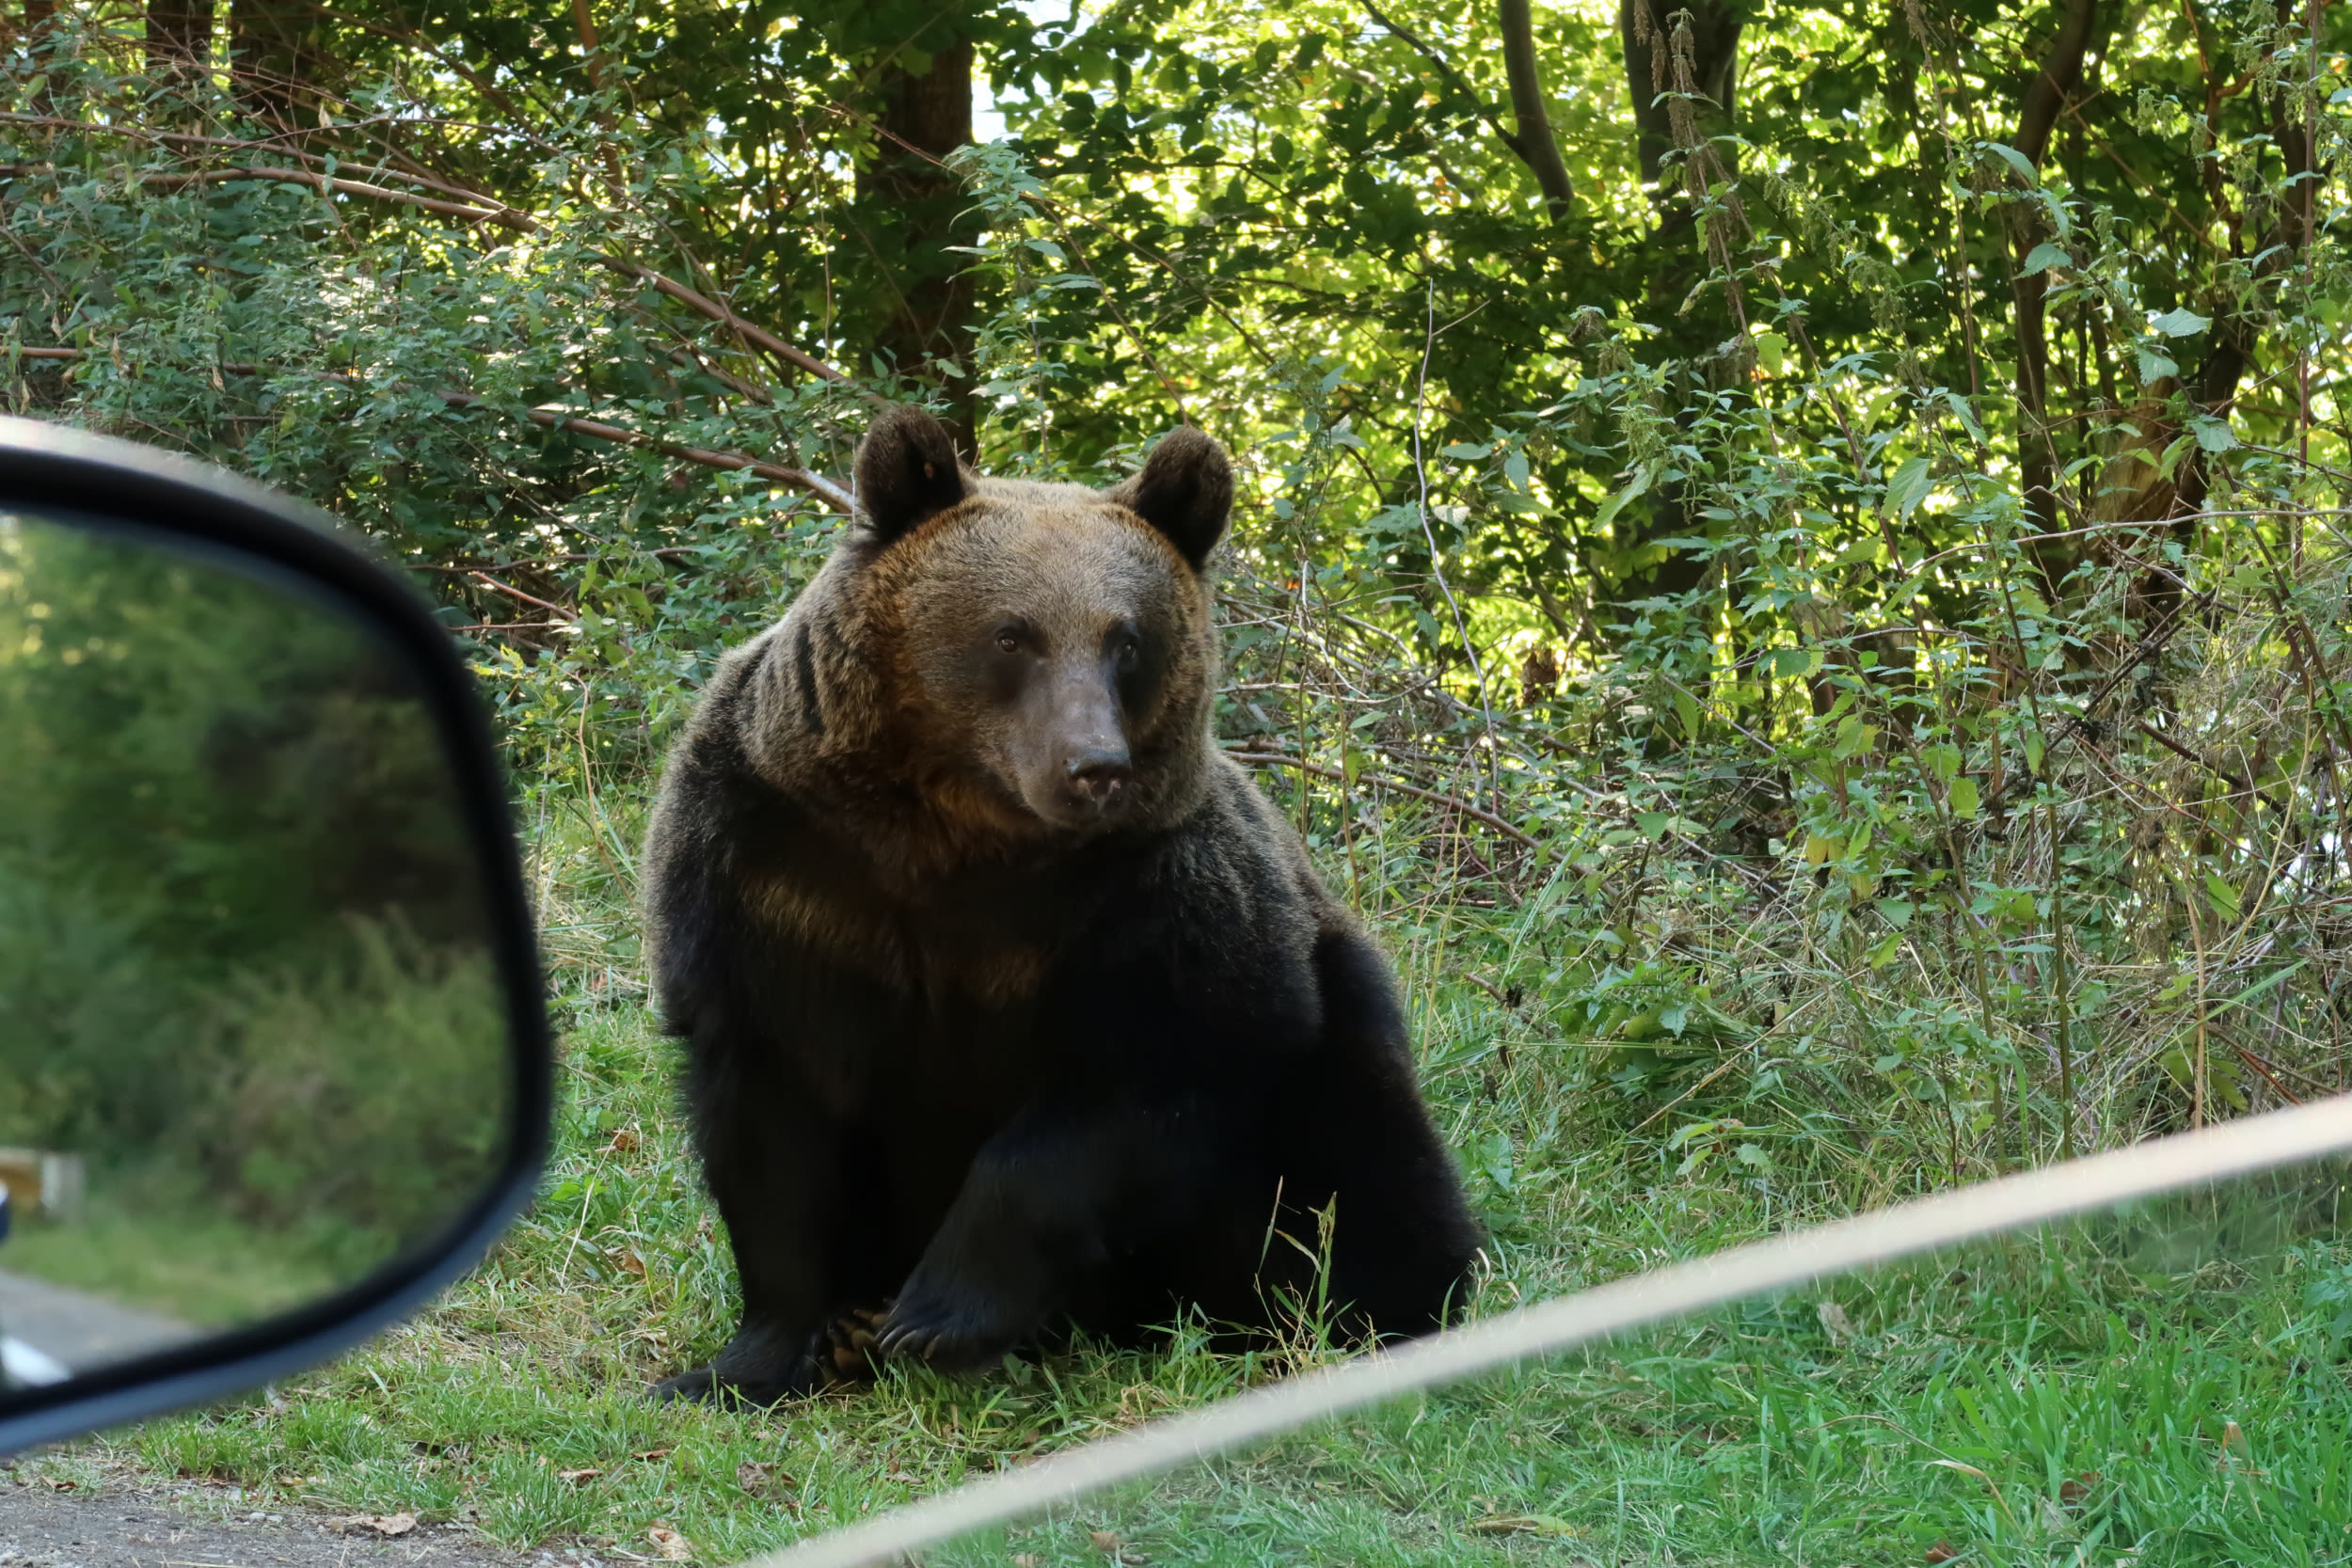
[1007, 1001]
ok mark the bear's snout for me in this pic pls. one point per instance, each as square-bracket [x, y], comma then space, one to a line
[1099, 774]
[1069, 751]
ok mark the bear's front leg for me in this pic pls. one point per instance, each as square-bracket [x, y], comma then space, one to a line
[1048, 1201]
[772, 1162]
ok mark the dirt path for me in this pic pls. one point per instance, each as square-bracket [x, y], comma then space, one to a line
[45, 1528]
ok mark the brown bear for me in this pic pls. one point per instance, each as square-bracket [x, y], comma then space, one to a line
[1008, 1001]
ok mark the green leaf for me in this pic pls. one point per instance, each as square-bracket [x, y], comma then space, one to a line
[2045, 256]
[1907, 487]
[2015, 160]
[2223, 896]
[2155, 367]
[2212, 434]
[1966, 416]
[1896, 911]
[1609, 508]
[1963, 796]
[2182, 323]
[1494, 1155]
[1785, 662]
[2172, 455]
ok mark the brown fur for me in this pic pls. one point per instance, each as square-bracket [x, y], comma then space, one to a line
[909, 780]
[962, 908]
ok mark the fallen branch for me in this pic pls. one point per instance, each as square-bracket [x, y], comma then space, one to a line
[2264, 1067]
[1282, 759]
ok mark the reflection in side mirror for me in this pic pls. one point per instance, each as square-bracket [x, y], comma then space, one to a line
[254, 1023]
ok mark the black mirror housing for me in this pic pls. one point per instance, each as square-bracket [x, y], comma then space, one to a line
[217, 529]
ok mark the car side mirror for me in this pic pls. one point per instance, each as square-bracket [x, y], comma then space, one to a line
[274, 1063]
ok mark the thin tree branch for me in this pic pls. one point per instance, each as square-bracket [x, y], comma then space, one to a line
[801, 479]
[1438, 62]
[1536, 147]
[506, 216]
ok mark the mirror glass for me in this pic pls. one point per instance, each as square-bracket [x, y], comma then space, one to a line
[252, 1033]
[2168, 1382]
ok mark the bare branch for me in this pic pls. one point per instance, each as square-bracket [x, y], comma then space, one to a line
[1532, 144]
[720, 313]
[1454, 802]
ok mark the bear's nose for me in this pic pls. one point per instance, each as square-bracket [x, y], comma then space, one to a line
[1097, 773]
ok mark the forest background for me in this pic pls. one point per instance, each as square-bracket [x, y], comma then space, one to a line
[1791, 556]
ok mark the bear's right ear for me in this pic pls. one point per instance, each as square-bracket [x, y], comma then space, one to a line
[1185, 490]
[906, 471]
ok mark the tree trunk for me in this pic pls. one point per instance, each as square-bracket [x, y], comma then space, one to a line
[179, 37]
[2053, 88]
[916, 211]
[39, 14]
[1715, 26]
[1677, 261]
[1535, 144]
[283, 55]
[2134, 490]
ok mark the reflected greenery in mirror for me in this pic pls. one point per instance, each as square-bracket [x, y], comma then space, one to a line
[251, 1034]
[2169, 1384]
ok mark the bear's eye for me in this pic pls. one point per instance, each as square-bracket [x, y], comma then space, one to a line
[1008, 640]
[1130, 649]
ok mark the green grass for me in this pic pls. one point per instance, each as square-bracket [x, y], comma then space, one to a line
[2039, 1400]
[1761, 1436]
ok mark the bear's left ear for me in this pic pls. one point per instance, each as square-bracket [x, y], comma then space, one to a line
[906, 471]
[1185, 490]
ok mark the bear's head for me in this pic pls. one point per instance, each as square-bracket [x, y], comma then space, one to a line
[1049, 656]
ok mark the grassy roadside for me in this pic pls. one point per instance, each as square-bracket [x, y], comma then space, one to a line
[1773, 1434]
